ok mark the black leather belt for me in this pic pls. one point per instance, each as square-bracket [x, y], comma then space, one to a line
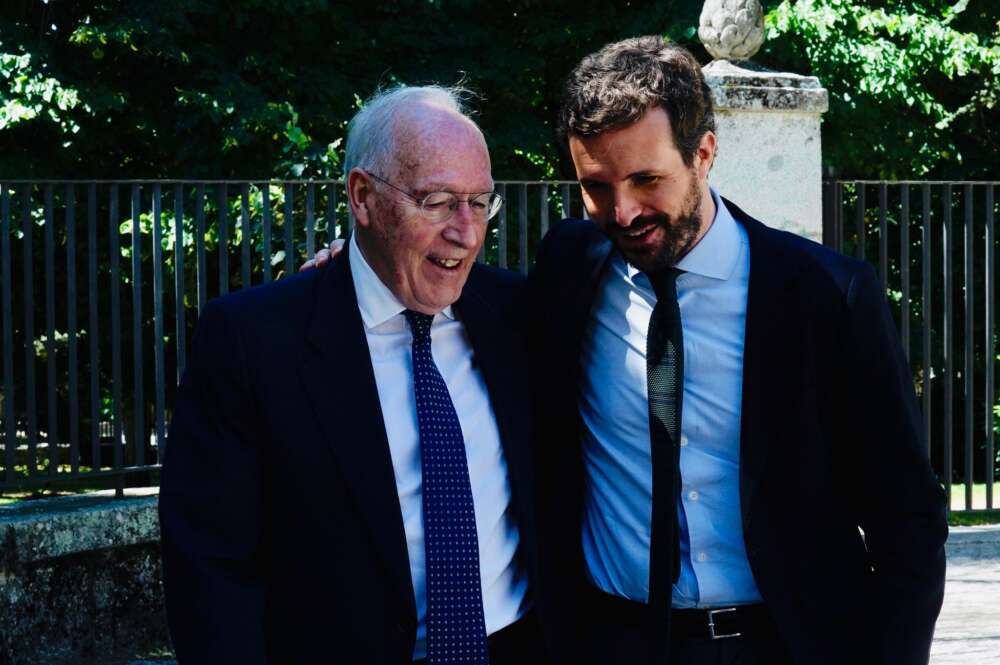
[722, 622]
[719, 623]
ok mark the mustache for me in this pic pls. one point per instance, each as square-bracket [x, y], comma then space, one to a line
[643, 221]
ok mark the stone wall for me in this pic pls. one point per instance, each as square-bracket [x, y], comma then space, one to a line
[80, 580]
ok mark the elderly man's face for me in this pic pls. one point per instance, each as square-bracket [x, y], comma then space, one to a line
[636, 187]
[425, 265]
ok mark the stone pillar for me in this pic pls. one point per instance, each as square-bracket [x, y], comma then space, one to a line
[769, 157]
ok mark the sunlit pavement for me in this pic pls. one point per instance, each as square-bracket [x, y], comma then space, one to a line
[968, 630]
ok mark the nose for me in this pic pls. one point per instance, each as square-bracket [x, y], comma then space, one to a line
[627, 207]
[463, 228]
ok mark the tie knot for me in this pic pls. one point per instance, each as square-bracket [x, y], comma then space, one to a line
[420, 324]
[665, 283]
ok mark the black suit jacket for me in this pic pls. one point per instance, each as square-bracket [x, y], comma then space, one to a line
[282, 536]
[831, 440]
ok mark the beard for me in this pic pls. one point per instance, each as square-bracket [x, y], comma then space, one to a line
[679, 234]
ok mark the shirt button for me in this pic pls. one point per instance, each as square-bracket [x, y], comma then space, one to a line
[702, 557]
[693, 495]
[684, 440]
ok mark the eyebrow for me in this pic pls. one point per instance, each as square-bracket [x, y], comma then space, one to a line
[440, 187]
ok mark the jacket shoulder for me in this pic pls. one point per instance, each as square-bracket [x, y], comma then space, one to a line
[800, 255]
[495, 286]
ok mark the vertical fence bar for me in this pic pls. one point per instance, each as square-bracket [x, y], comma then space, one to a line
[502, 230]
[245, 279]
[522, 229]
[969, 306]
[838, 204]
[543, 207]
[116, 341]
[93, 332]
[223, 233]
[925, 305]
[10, 428]
[52, 437]
[949, 332]
[159, 371]
[138, 403]
[199, 244]
[310, 221]
[30, 389]
[71, 350]
[829, 215]
[859, 220]
[179, 314]
[288, 228]
[565, 196]
[265, 207]
[332, 231]
[989, 348]
[883, 232]
[904, 266]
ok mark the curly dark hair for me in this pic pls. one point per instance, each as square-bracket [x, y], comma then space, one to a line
[616, 85]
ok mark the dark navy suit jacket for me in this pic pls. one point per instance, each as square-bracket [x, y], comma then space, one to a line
[281, 528]
[831, 440]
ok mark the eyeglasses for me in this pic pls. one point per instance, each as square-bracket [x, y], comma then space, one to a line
[438, 207]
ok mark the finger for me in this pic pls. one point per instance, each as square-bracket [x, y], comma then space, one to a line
[311, 263]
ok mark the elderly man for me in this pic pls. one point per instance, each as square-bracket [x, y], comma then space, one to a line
[736, 469]
[382, 516]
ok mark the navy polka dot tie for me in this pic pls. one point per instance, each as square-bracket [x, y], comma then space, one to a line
[456, 629]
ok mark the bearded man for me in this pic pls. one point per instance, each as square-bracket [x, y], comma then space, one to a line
[733, 467]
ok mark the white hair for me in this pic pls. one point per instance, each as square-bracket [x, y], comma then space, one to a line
[371, 132]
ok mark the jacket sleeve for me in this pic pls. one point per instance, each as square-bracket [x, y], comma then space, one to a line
[900, 505]
[211, 506]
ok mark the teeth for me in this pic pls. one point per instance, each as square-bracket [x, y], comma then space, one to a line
[635, 234]
[447, 263]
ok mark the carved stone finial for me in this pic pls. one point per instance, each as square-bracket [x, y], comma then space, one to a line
[731, 29]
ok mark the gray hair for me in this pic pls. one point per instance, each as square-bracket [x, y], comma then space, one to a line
[371, 132]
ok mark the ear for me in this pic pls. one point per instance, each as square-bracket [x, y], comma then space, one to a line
[359, 190]
[705, 154]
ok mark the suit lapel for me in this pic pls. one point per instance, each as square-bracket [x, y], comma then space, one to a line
[338, 378]
[596, 252]
[765, 346]
[508, 392]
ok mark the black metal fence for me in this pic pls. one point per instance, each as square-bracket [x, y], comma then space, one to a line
[934, 246]
[102, 283]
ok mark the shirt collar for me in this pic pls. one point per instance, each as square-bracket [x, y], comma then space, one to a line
[717, 253]
[376, 301]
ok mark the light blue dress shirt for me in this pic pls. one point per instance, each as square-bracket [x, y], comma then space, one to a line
[712, 294]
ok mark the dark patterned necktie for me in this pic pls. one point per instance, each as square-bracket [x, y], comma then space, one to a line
[665, 387]
[456, 629]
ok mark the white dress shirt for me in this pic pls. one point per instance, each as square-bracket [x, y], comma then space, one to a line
[503, 580]
[712, 294]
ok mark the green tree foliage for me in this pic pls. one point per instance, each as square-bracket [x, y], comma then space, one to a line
[236, 88]
[161, 88]
[913, 84]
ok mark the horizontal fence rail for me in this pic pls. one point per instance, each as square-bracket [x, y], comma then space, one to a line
[102, 283]
[933, 244]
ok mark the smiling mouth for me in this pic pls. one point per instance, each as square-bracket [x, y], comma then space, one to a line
[447, 264]
[638, 232]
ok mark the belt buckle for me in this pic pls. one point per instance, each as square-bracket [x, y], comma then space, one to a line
[711, 623]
